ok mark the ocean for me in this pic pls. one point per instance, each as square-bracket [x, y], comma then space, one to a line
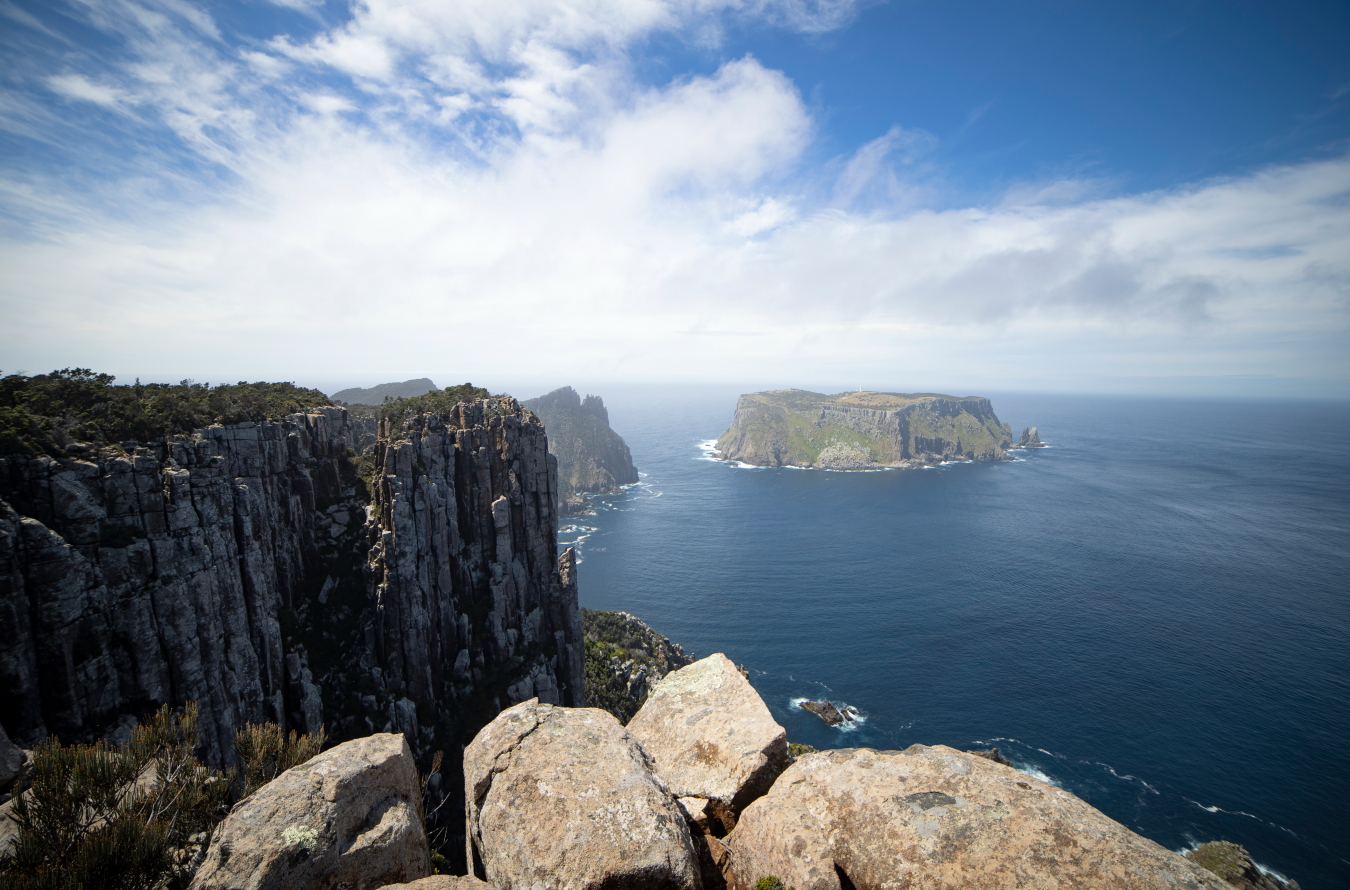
[1153, 612]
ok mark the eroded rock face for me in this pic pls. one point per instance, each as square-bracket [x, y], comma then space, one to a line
[938, 819]
[348, 817]
[1031, 438]
[562, 797]
[11, 760]
[711, 735]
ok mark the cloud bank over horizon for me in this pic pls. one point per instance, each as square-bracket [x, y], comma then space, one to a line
[500, 188]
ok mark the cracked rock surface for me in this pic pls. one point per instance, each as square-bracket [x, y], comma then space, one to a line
[349, 817]
[711, 735]
[564, 797]
[939, 819]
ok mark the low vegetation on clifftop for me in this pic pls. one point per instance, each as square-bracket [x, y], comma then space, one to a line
[47, 413]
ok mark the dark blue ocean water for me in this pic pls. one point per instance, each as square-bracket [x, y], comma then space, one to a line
[1153, 613]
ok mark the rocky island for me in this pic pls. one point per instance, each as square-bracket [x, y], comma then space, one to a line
[862, 430]
[592, 458]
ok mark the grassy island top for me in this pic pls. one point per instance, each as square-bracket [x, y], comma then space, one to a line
[804, 400]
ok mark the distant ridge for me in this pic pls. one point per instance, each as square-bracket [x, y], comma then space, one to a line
[377, 394]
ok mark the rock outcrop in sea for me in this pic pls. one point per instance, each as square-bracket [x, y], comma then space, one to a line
[862, 430]
[1031, 438]
[592, 458]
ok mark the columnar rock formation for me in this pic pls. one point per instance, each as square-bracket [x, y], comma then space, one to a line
[241, 567]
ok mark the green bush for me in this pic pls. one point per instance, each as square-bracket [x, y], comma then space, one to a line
[799, 749]
[440, 401]
[604, 689]
[771, 882]
[266, 753]
[45, 413]
[122, 817]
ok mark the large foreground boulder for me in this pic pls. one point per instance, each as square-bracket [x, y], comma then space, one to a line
[350, 817]
[712, 736]
[938, 819]
[563, 797]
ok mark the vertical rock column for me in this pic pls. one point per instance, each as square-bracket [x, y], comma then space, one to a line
[475, 609]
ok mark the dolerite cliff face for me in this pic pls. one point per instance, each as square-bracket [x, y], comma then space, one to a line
[591, 456]
[161, 575]
[240, 568]
[476, 610]
[862, 430]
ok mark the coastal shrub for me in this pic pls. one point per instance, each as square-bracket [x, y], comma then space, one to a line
[44, 414]
[800, 749]
[772, 882]
[440, 401]
[266, 753]
[133, 816]
[604, 688]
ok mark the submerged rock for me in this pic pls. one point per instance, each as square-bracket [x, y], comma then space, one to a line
[993, 754]
[350, 817]
[941, 820]
[564, 797]
[712, 736]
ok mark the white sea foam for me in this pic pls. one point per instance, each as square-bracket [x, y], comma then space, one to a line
[1036, 774]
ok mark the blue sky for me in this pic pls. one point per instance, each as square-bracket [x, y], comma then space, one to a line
[914, 195]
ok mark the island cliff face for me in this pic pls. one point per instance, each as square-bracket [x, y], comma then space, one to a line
[862, 430]
[246, 568]
[591, 456]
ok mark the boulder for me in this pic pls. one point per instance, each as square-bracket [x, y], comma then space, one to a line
[350, 817]
[564, 797]
[12, 760]
[937, 818]
[441, 882]
[712, 736]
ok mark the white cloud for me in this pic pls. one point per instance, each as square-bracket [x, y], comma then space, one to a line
[77, 86]
[496, 192]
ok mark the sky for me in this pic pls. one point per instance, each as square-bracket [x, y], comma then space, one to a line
[914, 195]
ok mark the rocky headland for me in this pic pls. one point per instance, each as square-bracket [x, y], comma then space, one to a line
[413, 604]
[862, 430]
[592, 458]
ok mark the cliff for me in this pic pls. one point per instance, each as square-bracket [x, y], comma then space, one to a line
[241, 566]
[862, 430]
[591, 456]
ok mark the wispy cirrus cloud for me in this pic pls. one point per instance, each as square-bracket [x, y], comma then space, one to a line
[423, 176]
